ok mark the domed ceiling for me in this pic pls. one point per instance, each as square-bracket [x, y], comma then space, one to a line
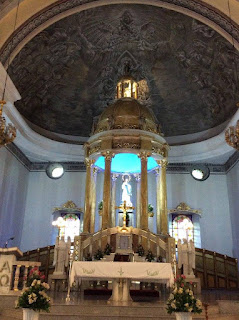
[67, 74]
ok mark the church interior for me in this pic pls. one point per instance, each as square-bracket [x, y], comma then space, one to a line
[119, 140]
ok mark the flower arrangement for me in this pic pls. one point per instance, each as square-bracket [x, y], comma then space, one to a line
[140, 250]
[34, 295]
[99, 254]
[149, 256]
[182, 299]
[108, 249]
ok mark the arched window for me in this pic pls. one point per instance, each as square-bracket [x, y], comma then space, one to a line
[182, 228]
[71, 226]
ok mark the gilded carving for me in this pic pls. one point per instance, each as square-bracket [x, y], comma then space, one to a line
[108, 155]
[163, 163]
[89, 162]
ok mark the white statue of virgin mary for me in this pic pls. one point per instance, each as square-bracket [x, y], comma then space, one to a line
[126, 192]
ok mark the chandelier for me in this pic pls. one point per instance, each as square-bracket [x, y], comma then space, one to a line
[232, 136]
[7, 131]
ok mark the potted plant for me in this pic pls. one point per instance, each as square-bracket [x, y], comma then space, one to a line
[140, 250]
[149, 256]
[100, 207]
[150, 210]
[108, 249]
[34, 298]
[99, 254]
[182, 301]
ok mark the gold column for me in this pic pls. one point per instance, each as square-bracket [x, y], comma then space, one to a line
[157, 173]
[144, 191]
[93, 199]
[87, 214]
[138, 206]
[163, 197]
[113, 199]
[107, 191]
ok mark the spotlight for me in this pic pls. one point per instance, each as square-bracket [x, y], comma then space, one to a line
[55, 170]
[200, 172]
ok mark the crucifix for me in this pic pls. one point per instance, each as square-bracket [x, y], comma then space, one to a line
[124, 208]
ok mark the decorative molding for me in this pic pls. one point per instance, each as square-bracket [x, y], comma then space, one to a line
[80, 166]
[184, 208]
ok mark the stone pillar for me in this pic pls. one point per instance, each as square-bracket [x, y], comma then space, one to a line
[113, 200]
[93, 199]
[138, 197]
[157, 173]
[107, 191]
[144, 191]
[163, 197]
[87, 214]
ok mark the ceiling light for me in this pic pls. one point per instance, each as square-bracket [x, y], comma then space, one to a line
[55, 170]
[200, 172]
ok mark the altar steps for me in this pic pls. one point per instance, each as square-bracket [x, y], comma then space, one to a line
[99, 310]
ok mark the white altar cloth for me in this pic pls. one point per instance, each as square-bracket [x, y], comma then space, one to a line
[142, 271]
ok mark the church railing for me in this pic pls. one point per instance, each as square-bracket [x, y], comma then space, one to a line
[43, 255]
[20, 273]
[216, 271]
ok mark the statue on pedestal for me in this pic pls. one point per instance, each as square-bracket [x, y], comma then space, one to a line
[191, 258]
[61, 255]
[126, 191]
[186, 257]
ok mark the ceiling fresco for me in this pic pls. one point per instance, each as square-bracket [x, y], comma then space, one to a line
[67, 74]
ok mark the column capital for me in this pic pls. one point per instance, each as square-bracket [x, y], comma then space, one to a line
[137, 176]
[163, 163]
[143, 155]
[89, 162]
[114, 176]
[108, 155]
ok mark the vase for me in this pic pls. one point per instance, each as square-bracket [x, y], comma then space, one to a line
[29, 314]
[183, 315]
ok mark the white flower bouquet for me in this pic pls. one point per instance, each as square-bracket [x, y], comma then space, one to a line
[34, 297]
[182, 299]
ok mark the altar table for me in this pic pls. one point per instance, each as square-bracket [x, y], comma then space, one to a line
[121, 273]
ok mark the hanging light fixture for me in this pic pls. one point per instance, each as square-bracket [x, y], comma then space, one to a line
[7, 131]
[232, 133]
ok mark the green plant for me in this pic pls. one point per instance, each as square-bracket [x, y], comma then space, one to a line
[100, 205]
[108, 249]
[34, 296]
[149, 256]
[182, 299]
[140, 250]
[150, 208]
[99, 254]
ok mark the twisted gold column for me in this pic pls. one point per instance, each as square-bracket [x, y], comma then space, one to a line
[87, 214]
[138, 206]
[144, 191]
[93, 199]
[107, 191]
[163, 197]
[113, 199]
[157, 173]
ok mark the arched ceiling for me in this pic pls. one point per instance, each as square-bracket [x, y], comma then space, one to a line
[67, 74]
